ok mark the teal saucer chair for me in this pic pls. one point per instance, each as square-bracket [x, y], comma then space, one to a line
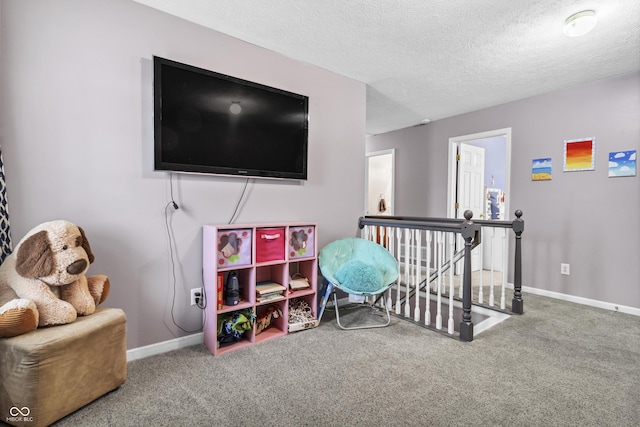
[358, 267]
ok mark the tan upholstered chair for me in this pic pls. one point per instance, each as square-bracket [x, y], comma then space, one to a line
[50, 372]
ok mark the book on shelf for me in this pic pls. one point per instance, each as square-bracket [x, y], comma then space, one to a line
[298, 283]
[219, 291]
[269, 290]
[268, 287]
[269, 297]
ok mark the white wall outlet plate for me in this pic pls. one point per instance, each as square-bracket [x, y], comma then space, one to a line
[356, 298]
[195, 292]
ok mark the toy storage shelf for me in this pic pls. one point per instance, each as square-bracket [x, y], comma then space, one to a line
[258, 253]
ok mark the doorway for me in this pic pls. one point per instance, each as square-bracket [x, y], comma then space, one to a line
[497, 173]
[380, 182]
[493, 193]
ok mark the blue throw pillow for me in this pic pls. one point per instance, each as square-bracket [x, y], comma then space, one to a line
[359, 276]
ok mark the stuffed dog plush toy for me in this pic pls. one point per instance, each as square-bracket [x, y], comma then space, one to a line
[43, 281]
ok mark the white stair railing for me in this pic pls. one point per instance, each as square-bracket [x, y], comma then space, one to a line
[429, 259]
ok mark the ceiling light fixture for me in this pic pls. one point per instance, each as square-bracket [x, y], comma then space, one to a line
[580, 23]
[235, 107]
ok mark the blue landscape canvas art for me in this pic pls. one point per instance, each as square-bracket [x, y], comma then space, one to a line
[541, 169]
[622, 163]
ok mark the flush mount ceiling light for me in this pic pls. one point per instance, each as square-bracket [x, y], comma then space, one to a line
[580, 23]
[235, 107]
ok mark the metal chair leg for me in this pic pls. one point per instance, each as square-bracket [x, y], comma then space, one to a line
[335, 304]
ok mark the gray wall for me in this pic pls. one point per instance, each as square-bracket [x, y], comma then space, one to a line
[76, 130]
[582, 218]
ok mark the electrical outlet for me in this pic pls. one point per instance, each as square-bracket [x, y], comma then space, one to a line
[565, 269]
[196, 292]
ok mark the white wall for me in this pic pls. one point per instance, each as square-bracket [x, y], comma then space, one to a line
[582, 218]
[76, 131]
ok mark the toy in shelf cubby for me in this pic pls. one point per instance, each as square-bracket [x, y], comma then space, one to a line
[258, 255]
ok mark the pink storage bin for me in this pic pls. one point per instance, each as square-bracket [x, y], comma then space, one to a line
[234, 248]
[270, 244]
[301, 241]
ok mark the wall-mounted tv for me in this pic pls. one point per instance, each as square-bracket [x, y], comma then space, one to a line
[211, 123]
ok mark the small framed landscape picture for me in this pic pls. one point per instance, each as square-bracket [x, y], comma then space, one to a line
[580, 155]
[541, 169]
[622, 163]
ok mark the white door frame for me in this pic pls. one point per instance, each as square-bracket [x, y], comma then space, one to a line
[453, 145]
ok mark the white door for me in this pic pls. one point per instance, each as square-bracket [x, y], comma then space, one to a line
[471, 188]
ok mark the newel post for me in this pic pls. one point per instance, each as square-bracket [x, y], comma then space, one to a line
[516, 303]
[470, 231]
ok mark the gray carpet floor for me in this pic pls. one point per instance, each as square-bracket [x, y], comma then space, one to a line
[559, 364]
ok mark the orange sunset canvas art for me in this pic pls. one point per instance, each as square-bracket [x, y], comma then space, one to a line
[579, 154]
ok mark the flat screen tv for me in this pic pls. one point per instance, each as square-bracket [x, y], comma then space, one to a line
[211, 123]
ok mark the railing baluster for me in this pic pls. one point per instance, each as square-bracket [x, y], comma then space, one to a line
[416, 310]
[407, 270]
[435, 260]
[493, 239]
[439, 250]
[369, 233]
[390, 245]
[504, 265]
[407, 266]
[480, 289]
[399, 287]
[427, 288]
[450, 323]
[459, 242]
[382, 236]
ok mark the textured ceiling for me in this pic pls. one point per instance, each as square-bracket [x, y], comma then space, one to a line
[431, 59]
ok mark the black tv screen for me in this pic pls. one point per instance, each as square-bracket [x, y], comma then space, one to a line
[207, 122]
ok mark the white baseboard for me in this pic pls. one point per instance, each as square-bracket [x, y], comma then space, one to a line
[579, 300]
[164, 346]
[565, 297]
